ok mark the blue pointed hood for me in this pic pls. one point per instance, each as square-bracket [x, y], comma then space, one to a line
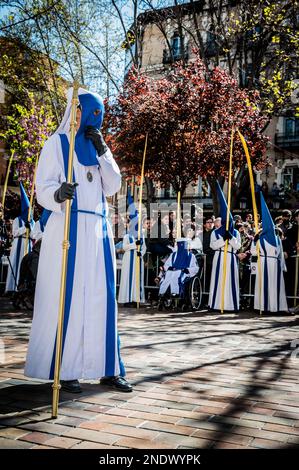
[223, 212]
[85, 150]
[268, 226]
[24, 204]
[133, 215]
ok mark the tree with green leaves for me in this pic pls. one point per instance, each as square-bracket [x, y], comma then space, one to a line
[24, 132]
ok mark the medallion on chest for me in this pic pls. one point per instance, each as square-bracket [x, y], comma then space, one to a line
[89, 176]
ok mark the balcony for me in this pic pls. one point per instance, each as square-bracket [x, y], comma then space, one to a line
[211, 48]
[284, 140]
[169, 58]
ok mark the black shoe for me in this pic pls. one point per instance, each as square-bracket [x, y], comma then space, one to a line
[71, 386]
[118, 383]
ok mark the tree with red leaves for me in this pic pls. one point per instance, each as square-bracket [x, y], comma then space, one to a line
[188, 115]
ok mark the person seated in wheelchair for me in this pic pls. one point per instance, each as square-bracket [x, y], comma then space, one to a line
[180, 266]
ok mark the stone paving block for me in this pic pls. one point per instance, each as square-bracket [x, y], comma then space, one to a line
[265, 444]
[37, 437]
[76, 413]
[91, 445]
[133, 443]
[121, 430]
[69, 421]
[12, 433]
[45, 427]
[14, 444]
[93, 436]
[113, 419]
[171, 428]
[163, 418]
[281, 428]
[62, 442]
[176, 440]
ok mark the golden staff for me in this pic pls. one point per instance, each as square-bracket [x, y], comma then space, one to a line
[27, 241]
[65, 248]
[178, 218]
[296, 270]
[255, 216]
[138, 261]
[6, 179]
[227, 216]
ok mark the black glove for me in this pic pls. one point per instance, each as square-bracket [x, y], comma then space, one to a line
[185, 271]
[256, 237]
[171, 268]
[27, 224]
[138, 242]
[139, 254]
[66, 191]
[97, 139]
[227, 235]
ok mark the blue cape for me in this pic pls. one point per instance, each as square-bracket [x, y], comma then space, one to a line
[268, 226]
[133, 215]
[183, 256]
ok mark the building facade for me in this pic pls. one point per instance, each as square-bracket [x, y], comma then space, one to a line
[170, 34]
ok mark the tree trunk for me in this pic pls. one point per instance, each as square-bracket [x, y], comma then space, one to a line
[150, 193]
[212, 182]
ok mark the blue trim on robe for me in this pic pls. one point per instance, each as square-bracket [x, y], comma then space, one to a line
[278, 283]
[19, 244]
[140, 273]
[131, 239]
[266, 281]
[216, 280]
[29, 241]
[122, 370]
[71, 257]
[234, 293]
[111, 332]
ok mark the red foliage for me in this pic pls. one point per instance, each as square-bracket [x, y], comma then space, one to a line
[189, 120]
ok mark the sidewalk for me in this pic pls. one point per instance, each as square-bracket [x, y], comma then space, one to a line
[200, 381]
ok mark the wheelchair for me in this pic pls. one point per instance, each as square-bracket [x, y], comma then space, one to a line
[190, 297]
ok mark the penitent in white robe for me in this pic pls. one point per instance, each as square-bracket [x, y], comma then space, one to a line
[128, 287]
[273, 295]
[175, 279]
[231, 288]
[90, 344]
[16, 253]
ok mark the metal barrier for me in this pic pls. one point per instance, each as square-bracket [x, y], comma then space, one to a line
[152, 262]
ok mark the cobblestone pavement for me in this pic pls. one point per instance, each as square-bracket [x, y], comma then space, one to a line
[200, 380]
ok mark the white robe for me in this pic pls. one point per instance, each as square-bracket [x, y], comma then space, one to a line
[127, 287]
[231, 288]
[90, 348]
[273, 295]
[174, 279]
[16, 253]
